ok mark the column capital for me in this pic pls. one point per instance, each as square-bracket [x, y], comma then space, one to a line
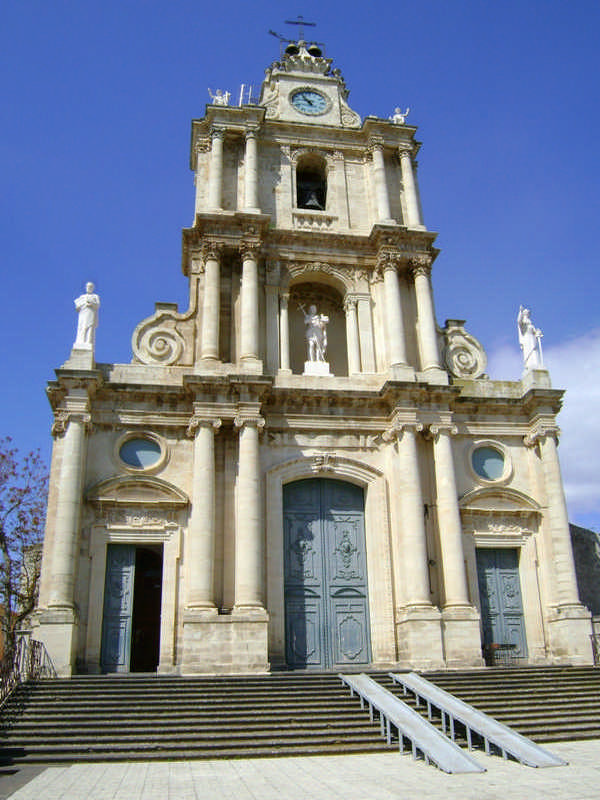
[250, 248]
[240, 420]
[436, 430]
[217, 132]
[63, 418]
[251, 131]
[197, 422]
[211, 249]
[375, 143]
[405, 151]
[421, 265]
[541, 432]
[396, 430]
[350, 301]
[388, 260]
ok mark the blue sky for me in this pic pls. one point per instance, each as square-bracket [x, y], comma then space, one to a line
[94, 146]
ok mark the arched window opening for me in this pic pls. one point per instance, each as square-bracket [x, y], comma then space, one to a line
[311, 183]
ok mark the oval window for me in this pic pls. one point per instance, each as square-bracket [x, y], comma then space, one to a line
[488, 463]
[140, 453]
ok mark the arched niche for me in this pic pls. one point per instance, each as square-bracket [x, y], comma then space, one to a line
[328, 300]
[311, 182]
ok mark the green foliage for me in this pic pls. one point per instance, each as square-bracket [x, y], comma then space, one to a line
[23, 494]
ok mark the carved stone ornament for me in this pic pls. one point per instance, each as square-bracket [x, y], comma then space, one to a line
[323, 463]
[157, 341]
[463, 354]
[197, 422]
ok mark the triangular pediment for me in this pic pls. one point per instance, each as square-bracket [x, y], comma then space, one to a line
[137, 490]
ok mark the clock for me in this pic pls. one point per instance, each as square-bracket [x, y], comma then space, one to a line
[309, 101]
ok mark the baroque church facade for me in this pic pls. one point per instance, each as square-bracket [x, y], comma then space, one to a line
[303, 470]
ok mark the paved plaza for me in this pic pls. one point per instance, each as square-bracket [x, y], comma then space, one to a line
[361, 777]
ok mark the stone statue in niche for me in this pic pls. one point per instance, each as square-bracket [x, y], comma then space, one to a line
[316, 334]
[87, 306]
[221, 98]
[530, 340]
[399, 117]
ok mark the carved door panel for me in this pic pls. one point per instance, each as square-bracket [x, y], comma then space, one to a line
[500, 595]
[118, 608]
[326, 599]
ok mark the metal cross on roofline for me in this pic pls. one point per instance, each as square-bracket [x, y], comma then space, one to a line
[301, 22]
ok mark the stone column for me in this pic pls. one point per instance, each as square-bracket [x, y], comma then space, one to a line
[381, 191]
[249, 539]
[249, 311]
[68, 511]
[215, 175]
[569, 625]
[393, 307]
[352, 335]
[418, 622]
[566, 580]
[251, 173]
[211, 304]
[426, 327]
[284, 331]
[413, 214]
[462, 638]
[200, 550]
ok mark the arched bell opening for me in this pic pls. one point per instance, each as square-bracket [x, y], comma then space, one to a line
[311, 182]
[329, 302]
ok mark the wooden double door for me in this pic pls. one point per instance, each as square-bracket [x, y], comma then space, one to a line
[132, 604]
[325, 573]
[501, 602]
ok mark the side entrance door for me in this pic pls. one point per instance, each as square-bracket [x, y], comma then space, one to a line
[501, 603]
[325, 573]
[132, 602]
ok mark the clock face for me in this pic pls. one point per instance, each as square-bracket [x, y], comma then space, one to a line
[309, 101]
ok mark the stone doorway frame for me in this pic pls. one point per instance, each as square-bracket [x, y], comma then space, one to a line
[377, 539]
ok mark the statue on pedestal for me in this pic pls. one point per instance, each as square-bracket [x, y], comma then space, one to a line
[530, 340]
[316, 334]
[399, 117]
[221, 98]
[87, 306]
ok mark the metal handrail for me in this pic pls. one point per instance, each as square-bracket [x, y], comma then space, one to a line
[30, 662]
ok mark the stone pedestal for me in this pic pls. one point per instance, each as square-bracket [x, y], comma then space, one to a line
[462, 637]
[419, 638]
[569, 630]
[316, 368]
[225, 644]
[57, 629]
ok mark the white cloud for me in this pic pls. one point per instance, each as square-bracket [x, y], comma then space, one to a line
[575, 366]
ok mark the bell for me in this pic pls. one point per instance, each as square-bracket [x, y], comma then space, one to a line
[315, 51]
[292, 50]
[312, 201]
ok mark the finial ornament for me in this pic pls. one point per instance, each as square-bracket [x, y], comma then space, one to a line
[399, 116]
[530, 340]
[87, 306]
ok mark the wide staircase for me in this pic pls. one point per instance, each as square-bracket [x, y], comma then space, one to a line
[127, 718]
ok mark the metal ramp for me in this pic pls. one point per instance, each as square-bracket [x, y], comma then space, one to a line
[422, 736]
[494, 733]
